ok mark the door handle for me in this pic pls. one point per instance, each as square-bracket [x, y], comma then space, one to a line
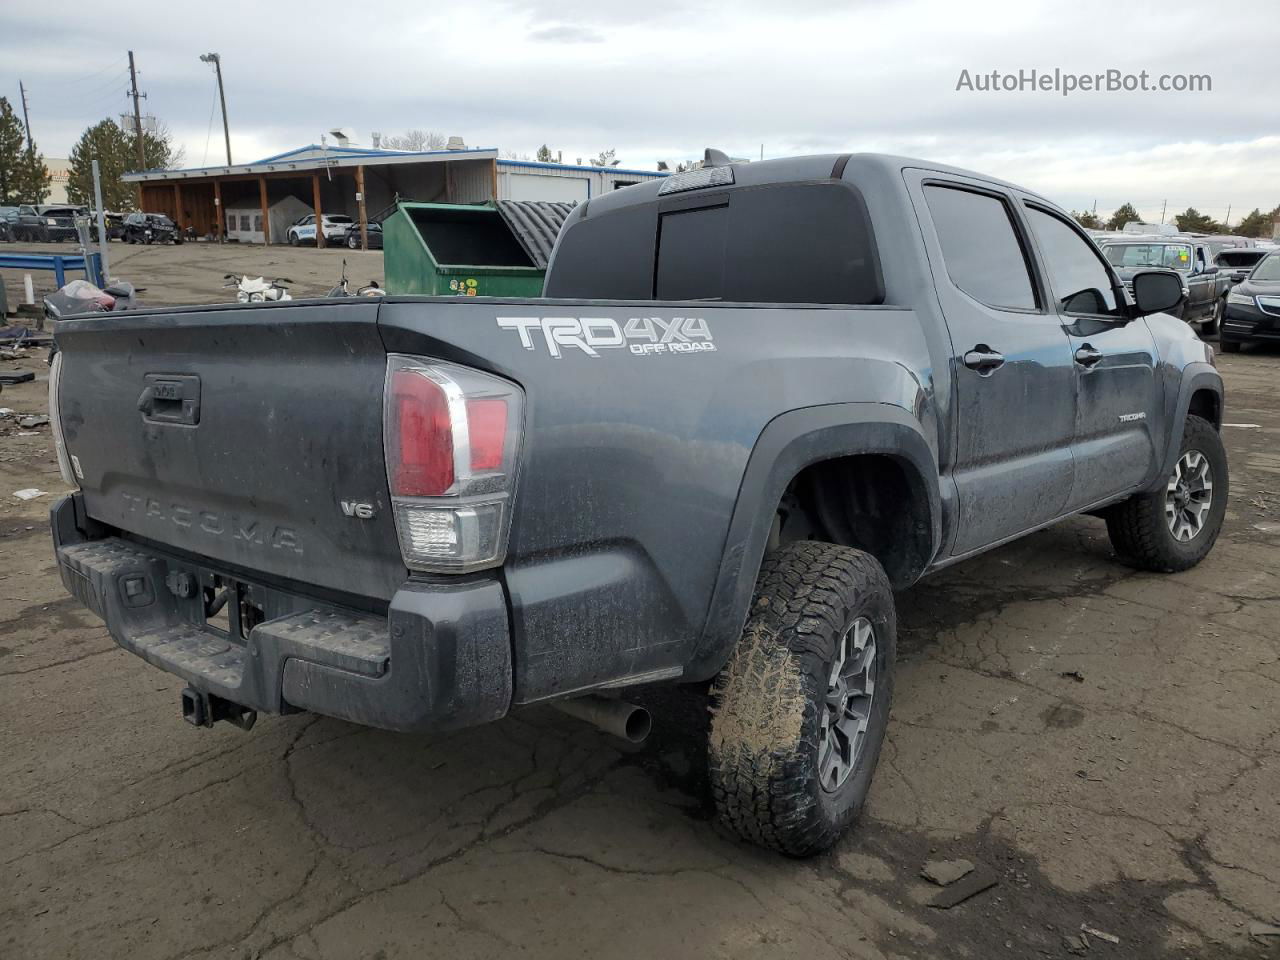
[1087, 356]
[983, 359]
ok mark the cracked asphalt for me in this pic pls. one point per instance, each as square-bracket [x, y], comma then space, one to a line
[1107, 741]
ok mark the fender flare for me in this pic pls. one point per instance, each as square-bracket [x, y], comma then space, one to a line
[788, 444]
[1196, 376]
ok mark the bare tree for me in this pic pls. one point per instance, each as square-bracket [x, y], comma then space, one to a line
[416, 140]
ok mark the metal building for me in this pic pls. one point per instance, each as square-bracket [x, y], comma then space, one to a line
[362, 182]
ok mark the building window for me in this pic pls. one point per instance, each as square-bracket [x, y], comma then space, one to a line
[257, 223]
[244, 222]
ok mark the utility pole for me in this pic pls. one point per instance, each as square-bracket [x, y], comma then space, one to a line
[26, 121]
[1227, 222]
[137, 122]
[216, 60]
[1164, 205]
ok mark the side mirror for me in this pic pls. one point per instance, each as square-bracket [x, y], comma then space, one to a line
[1210, 271]
[1156, 291]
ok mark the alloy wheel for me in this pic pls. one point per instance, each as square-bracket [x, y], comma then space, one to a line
[846, 710]
[1189, 496]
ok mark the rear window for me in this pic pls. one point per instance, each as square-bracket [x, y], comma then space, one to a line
[980, 247]
[791, 243]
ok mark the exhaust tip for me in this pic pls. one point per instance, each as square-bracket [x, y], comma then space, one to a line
[639, 725]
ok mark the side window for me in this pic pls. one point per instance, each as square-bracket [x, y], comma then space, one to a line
[1080, 281]
[980, 247]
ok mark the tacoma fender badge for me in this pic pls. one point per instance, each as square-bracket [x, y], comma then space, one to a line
[357, 509]
[1131, 417]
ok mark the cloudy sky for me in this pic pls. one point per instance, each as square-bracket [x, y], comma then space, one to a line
[663, 80]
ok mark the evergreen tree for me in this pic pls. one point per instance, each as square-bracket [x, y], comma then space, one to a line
[1125, 213]
[117, 154]
[1192, 220]
[11, 156]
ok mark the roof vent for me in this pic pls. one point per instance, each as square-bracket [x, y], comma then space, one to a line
[455, 143]
[342, 136]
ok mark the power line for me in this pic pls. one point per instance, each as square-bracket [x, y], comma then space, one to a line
[59, 84]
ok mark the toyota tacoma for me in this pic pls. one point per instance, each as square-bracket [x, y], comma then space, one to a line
[755, 401]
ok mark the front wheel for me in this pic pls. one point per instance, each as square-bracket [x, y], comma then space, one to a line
[1214, 322]
[293, 239]
[353, 243]
[1175, 527]
[798, 714]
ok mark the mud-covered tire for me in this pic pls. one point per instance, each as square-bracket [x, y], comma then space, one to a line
[769, 702]
[1139, 527]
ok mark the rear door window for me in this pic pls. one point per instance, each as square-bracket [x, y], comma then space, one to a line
[980, 247]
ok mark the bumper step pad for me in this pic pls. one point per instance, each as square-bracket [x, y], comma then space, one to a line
[125, 584]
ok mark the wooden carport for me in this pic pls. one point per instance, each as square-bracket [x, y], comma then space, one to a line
[197, 200]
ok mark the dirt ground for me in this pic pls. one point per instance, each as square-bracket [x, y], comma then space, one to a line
[193, 272]
[1106, 741]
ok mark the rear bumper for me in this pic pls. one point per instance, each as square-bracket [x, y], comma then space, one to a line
[439, 659]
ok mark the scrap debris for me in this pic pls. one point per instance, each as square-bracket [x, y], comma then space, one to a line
[1258, 930]
[30, 423]
[946, 872]
[28, 493]
[1100, 934]
[1075, 675]
[970, 883]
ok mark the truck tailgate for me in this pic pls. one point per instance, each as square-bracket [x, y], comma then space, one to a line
[245, 435]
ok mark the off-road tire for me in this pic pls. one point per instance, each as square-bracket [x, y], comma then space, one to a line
[1138, 528]
[768, 702]
[1229, 346]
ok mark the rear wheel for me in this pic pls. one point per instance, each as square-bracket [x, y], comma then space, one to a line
[1174, 528]
[799, 712]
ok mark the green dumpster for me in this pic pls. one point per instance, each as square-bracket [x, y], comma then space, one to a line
[457, 250]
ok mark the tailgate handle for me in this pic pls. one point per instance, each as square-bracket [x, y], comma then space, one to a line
[171, 398]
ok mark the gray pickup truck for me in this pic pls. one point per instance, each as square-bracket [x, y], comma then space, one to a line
[1193, 258]
[756, 400]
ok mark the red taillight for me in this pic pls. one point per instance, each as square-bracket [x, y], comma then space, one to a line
[422, 464]
[452, 440]
[487, 425]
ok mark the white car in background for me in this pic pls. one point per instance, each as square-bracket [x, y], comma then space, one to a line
[304, 230]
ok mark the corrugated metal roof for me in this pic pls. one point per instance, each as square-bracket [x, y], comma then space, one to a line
[536, 224]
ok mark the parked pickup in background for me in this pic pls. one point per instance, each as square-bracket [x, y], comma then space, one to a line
[42, 224]
[756, 400]
[1206, 283]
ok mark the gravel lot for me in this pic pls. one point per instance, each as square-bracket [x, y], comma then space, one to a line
[1107, 741]
[193, 272]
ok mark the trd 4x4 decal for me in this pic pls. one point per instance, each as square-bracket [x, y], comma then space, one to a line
[643, 336]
